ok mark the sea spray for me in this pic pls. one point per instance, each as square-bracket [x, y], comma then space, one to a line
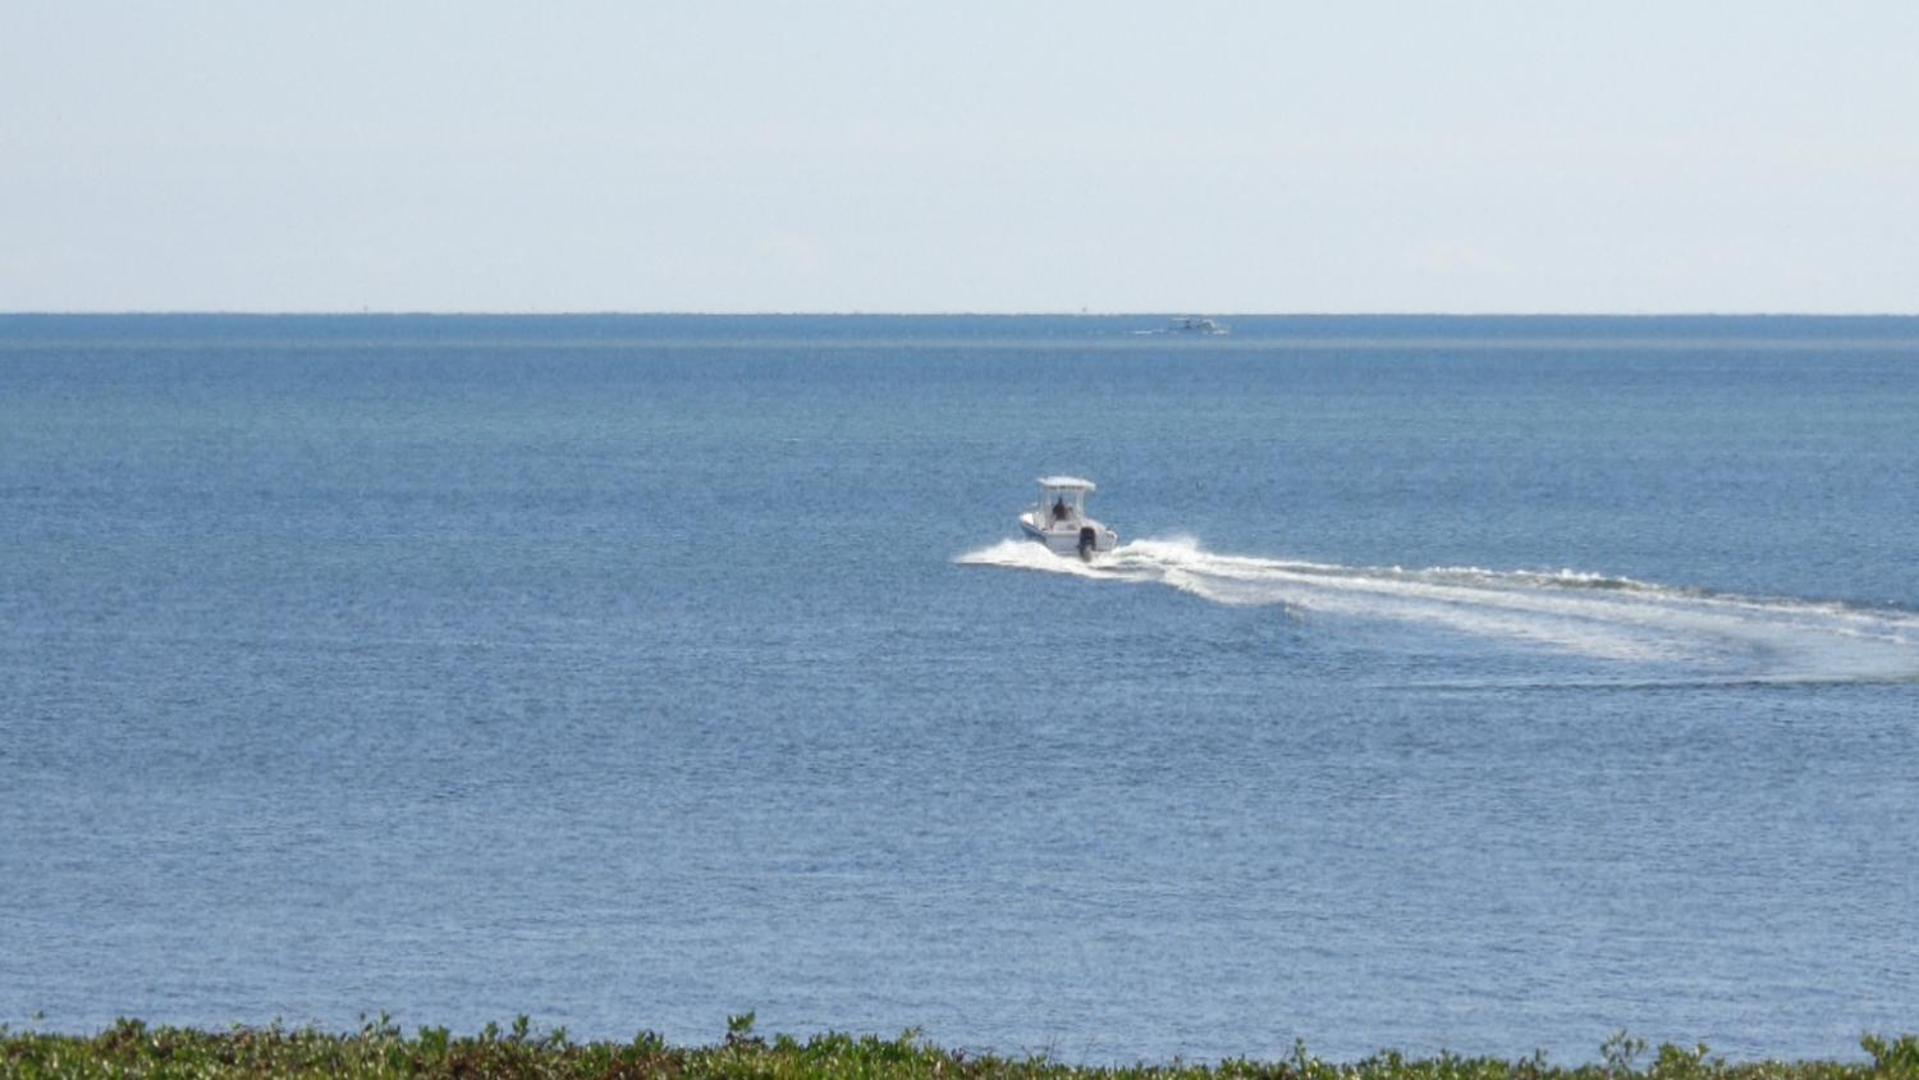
[1572, 611]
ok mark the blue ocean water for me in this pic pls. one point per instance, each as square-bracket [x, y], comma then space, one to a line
[1483, 684]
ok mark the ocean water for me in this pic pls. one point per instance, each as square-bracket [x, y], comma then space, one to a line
[1460, 683]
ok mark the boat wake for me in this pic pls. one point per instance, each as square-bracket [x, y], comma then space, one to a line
[1714, 636]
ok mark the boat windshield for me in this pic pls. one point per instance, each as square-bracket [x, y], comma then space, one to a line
[1062, 504]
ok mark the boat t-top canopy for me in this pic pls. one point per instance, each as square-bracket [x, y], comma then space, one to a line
[1066, 483]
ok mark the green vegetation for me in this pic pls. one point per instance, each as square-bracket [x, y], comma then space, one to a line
[379, 1049]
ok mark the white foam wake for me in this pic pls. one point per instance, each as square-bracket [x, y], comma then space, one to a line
[1567, 611]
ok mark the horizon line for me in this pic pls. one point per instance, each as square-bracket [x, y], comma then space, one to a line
[857, 313]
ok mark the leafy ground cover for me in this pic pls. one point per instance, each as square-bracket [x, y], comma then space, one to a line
[379, 1049]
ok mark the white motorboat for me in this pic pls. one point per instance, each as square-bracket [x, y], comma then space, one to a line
[1195, 325]
[1059, 519]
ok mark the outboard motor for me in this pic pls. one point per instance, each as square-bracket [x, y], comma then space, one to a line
[1088, 542]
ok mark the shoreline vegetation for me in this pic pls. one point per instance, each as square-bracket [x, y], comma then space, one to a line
[380, 1049]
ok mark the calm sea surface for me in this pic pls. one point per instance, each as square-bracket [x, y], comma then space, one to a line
[1482, 684]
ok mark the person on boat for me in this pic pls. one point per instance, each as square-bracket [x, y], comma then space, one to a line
[1059, 509]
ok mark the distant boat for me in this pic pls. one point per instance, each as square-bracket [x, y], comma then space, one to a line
[1195, 325]
[1059, 520]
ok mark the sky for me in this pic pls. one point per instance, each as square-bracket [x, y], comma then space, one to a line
[976, 156]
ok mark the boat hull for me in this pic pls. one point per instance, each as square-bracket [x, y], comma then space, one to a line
[1066, 538]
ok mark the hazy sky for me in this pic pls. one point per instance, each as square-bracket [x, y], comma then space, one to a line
[969, 156]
